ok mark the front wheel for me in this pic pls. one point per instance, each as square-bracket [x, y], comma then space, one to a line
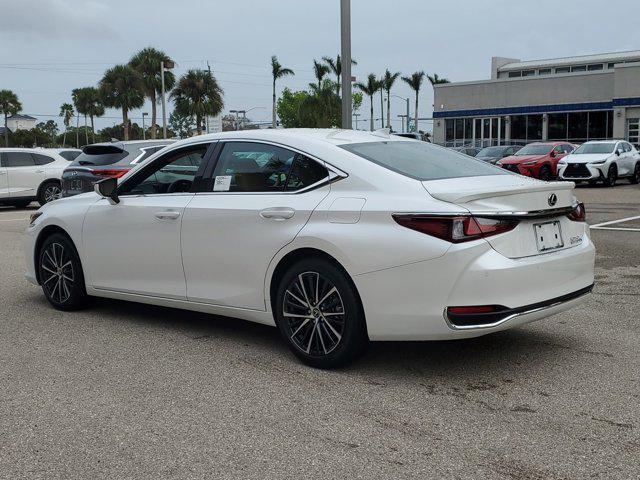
[61, 273]
[319, 315]
[612, 176]
[635, 178]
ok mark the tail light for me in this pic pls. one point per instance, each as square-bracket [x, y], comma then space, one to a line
[579, 214]
[456, 229]
[111, 172]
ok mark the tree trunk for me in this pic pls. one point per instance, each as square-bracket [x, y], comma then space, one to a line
[371, 112]
[153, 115]
[416, 114]
[6, 131]
[77, 131]
[382, 107]
[198, 124]
[64, 136]
[93, 131]
[274, 120]
[338, 86]
[389, 109]
[86, 130]
[125, 123]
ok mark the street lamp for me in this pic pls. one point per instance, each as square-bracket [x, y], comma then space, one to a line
[345, 37]
[144, 133]
[406, 99]
[164, 66]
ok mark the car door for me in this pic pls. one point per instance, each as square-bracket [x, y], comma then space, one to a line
[4, 184]
[630, 161]
[23, 175]
[134, 246]
[260, 196]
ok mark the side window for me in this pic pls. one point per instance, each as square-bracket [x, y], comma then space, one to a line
[558, 149]
[627, 147]
[146, 153]
[42, 159]
[17, 159]
[567, 148]
[304, 173]
[252, 167]
[172, 173]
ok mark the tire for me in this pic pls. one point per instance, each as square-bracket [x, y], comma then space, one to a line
[545, 173]
[60, 273]
[635, 178]
[593, 183]
[49, 191]
[325, 329]
[612, 176]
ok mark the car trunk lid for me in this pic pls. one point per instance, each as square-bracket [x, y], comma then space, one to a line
[543, 227]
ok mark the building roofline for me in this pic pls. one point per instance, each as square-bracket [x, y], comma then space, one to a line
[602, 57]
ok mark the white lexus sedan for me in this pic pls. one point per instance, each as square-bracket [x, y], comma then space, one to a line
[605, 161]
[336, 237]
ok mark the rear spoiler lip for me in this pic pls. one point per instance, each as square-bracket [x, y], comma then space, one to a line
[533, 214]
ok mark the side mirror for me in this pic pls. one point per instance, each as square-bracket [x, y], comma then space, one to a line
[618, 152]
[107, 188]
[553, 154]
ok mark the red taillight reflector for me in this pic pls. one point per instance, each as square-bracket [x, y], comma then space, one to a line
[112, 172]
[456, 229]
[472, 310]
[579, 214]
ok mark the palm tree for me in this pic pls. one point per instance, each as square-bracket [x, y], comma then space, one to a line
[147, 63]
[198, 94]
[9, 105]
[370, 88]
[278, 71]
[88, 103]
[319, 70]
[415, 82]
[335, 66]
[122, 87]
[436, 80]
[66, 112]
[387, 84]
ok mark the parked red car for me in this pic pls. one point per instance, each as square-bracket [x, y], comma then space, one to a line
[538, 160]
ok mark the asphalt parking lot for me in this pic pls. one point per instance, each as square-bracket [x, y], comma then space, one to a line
[130, 391]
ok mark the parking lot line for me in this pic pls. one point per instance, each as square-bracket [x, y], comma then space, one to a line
[23, 219]
[599, 225]
[617, 229]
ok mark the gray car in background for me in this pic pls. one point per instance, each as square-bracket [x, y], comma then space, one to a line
[493, 154]
[103, 160]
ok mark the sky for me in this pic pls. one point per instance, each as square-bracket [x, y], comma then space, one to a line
[49, 47]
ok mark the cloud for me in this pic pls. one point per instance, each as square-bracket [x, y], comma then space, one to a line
[59, 19]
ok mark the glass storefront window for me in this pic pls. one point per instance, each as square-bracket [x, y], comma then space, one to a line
[459, 129]
[449, 130]
[578, 126]
[557, 126]
[519, 127]
[534, 127]
[597, 125]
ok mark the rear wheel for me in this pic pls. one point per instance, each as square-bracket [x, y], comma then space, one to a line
[49, 191]
[545, 173]
[319, 314]
[61, 273]
[635, 178]
[612, 176]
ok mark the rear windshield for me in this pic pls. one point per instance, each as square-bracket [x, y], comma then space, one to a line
[594, 148]
[100, 155]
[422, 161]
[534, 149]
[70, 154]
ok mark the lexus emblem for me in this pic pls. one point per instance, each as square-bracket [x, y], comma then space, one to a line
[552, 200]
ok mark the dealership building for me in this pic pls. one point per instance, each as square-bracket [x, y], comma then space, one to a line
[575, 99]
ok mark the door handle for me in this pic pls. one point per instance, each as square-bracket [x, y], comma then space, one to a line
[277, 213]
[167, 215]
[39, 171]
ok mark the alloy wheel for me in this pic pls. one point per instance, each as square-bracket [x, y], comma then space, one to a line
[52, 192]
[57, 272]
[314, 314]
[612, 176]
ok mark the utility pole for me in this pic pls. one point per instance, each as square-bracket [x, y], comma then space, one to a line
[345, 56]
[144, 134]
[168, 66]
[207, 117]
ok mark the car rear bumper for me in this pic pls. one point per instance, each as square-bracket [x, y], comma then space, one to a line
[407, 302]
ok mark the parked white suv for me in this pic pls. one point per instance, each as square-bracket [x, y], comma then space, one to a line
[28, 174]
[601, 160]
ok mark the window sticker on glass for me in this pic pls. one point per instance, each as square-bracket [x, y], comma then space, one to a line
[222, 183]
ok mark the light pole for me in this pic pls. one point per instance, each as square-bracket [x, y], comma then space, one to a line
[169, 65]
[402, 117]
[356, 115]
[345, 35]
[144, 133]
[406, 99]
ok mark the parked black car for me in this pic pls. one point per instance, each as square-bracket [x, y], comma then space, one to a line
[102, 160]
[468, 150]
[493, 154]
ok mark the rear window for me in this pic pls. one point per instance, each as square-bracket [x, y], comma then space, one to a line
[422, 161]
[100, 155]
[70, 154]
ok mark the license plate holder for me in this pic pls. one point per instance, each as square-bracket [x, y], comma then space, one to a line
[75, 184]
[548, 236]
